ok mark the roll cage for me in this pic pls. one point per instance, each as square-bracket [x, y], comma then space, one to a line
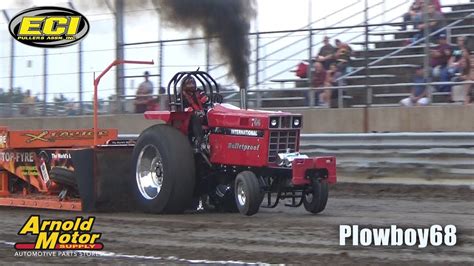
[207, 84]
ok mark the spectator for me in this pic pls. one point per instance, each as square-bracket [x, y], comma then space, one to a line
[71, 108]
[342, 56]
[465, 74]
[413, 14]
[326, 53]
[419, 92]
[436, 4]
[319, 75]
[338, 44]
[331, 75]
[439, 60]
[319, 78]
[435, 19]
[469, 89]
[28, 104]
[460, 51]
[144, 94]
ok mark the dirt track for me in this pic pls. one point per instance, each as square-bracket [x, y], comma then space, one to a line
[282, 235]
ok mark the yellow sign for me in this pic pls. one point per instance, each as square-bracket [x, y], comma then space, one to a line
[73, 234]
[49, 27]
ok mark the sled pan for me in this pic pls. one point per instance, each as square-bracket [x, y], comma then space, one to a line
[104, 178]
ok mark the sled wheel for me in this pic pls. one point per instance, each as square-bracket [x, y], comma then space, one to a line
[316, 197]
[164, 170]
[248, 196]
[63, 176]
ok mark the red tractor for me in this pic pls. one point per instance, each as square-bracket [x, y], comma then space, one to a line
[224, 157]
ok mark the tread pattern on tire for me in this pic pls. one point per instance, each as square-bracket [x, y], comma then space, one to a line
[319, 204]
[178, 165]
[63, 176]
[253, 193]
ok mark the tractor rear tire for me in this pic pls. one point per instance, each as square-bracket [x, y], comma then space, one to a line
[163, 161]
[63, 176]
[315, 201]
[248, 196]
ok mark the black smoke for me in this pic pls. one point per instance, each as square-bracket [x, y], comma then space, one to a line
[228, 20]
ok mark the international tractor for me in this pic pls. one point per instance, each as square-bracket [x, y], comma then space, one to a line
[201, 153]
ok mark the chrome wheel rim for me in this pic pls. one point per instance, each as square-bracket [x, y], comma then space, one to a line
[149, 172]
[241, 197]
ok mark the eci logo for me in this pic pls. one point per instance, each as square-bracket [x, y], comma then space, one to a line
[49, 27]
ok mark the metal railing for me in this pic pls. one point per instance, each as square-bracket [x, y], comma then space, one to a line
[313, 32]
[110, 107]
[401, 49]
[305, 102]
[422, 155]
[288, 34]
[264, 91]
[72, 108]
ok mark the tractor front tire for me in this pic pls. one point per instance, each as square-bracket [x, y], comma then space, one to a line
[248, 196]
[315, 199]
[163, 161]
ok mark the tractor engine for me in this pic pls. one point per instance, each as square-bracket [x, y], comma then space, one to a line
[253, 138]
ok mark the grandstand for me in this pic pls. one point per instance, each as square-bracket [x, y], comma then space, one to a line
[391, 64]
[272, 84]
[399, 68]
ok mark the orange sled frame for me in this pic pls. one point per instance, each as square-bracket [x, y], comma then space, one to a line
[97, 157]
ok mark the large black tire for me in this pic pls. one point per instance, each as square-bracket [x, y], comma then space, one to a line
[316, 198]
[175, 170]
[63, 176]
[248, 195]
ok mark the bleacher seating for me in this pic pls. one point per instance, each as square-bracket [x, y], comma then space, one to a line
[401, 66]
[395, 69]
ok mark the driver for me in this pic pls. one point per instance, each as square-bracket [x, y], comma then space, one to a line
[193, 98]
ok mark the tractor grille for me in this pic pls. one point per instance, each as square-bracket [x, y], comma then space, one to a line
[280, 142]
[285, 122]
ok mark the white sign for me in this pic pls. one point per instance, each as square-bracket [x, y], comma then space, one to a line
[435, 235]
[24, 157]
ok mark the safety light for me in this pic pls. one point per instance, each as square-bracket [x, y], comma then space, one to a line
[274, 122]
[296, 122]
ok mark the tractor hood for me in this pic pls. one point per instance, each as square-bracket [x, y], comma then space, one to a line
[226, 115]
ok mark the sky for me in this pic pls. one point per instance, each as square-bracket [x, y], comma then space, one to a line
[142, 24]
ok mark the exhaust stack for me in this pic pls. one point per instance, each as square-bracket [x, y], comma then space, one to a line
[243, 98]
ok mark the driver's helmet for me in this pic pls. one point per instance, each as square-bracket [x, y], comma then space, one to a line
[188, 85]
